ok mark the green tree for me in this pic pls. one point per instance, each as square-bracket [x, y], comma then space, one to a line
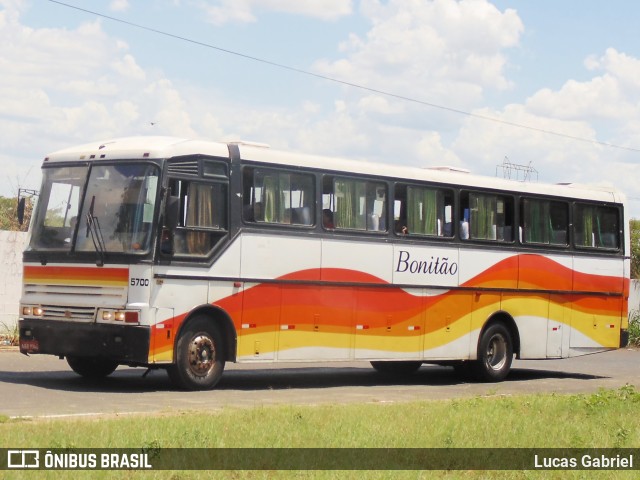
[9, 216]
[634, 228]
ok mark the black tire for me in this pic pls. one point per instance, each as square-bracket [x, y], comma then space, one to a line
[199, 361]
[92, 367]
[396, 368]
[495, 354]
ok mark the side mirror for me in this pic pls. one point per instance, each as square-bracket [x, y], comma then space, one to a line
[20, 212]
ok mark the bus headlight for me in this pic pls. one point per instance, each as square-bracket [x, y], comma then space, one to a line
[32, 311]
[131, 317]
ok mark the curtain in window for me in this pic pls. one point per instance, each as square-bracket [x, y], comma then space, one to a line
[270, 199]
[276, 198]
[284, 205]
[199, 214]
[422, 216]
[586, 223]
[345, 213]
[483, 216]
[537, 221]
[608, 231]
[350, 197]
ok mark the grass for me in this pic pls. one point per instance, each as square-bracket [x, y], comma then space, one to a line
[604, 419]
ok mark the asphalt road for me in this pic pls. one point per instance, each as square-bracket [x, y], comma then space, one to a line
[43, 386]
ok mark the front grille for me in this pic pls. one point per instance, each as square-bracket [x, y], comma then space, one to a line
[77, 314]
[46, 291]
[73, 303]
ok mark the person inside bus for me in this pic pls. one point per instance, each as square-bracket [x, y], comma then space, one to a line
[327, 219]
[401, 229]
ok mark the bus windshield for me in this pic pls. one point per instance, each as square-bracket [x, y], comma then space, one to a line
[117, 209]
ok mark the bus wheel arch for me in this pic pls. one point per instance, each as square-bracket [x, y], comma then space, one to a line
[498, 341]
[223, 322]
[202, 348]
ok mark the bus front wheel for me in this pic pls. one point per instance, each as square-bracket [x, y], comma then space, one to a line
[495, 354]
[199, 361]
[92, 367]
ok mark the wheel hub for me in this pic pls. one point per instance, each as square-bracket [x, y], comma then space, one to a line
[201, 355]
[497, 352]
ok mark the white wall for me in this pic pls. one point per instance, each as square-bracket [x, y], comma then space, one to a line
[634, 295]
[11, 246]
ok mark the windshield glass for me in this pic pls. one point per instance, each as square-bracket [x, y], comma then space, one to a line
[57, 208]
[117, 209]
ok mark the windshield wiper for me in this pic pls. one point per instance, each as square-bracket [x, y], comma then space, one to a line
[93, 228]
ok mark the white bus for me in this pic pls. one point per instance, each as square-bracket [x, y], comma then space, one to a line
[180, 254]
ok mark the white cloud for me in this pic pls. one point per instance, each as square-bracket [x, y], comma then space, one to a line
[444, 51]
[603, 109]
[244, 11]
[119, 5]
[62, 86]
[127, 67]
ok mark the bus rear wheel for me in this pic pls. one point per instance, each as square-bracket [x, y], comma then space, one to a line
[495, 354]
[199, 361]
[92, 367]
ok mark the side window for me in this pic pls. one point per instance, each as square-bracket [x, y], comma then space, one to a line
[203, 216]
[423, 211]
[545, 222]
[277, 197]
[597, 227]
[353, 204]
[486, 216]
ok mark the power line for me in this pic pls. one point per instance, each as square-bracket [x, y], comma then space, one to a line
[343, 82]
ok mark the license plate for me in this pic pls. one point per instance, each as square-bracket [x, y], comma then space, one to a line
[29, 346]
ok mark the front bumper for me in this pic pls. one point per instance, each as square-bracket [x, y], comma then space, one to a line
[125, 344]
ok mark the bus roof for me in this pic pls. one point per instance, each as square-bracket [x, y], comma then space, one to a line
[141, 147]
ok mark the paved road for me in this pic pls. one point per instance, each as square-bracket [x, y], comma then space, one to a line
[43, 386]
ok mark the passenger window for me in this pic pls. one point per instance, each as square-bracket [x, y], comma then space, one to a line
[545, 222]
[486, 216]
[353, 204]
[597, 227]
[423, 211]
[278, 197]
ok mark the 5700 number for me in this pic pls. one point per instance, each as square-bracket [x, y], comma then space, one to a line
[139, 282]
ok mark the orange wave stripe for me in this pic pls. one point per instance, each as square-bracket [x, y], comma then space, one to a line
[338, 309]
[98, 276]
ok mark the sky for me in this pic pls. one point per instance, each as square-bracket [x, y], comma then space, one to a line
[551, 85]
